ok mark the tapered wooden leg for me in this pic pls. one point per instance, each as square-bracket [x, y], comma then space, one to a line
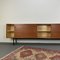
[13, 41]
[16, 41]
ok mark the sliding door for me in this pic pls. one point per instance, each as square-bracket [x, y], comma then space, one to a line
[25, 30]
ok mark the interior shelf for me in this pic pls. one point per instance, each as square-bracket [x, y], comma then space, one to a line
[43, 31]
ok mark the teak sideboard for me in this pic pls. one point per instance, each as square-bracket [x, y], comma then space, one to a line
[33, 31]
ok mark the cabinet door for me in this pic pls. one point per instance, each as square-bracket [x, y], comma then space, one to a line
[55, 27]
[25, 30]
[55, 35]
[55, 30]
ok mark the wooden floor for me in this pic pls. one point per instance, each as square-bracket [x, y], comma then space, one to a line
[6, 48]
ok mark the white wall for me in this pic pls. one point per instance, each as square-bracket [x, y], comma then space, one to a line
[28, 11]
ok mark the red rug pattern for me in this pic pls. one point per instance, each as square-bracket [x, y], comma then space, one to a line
[29, 53]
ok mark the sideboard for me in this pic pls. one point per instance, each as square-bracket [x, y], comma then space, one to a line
[32, 31]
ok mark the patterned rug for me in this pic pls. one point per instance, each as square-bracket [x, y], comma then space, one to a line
[29, 53]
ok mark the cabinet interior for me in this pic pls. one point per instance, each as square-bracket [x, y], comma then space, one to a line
[10, 30]
[44, 31]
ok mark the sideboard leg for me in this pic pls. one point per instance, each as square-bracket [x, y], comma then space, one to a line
[16, 41]
[13, 41]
